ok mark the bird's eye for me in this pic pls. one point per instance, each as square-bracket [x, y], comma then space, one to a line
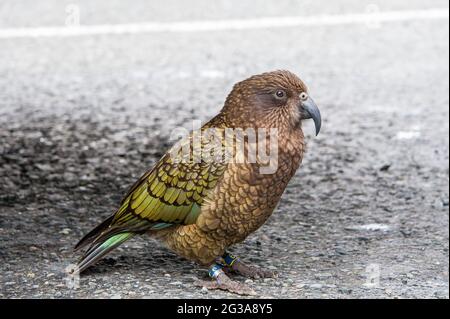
[303, 96]
[280, 94]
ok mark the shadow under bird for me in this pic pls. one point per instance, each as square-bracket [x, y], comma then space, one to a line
[199, 208]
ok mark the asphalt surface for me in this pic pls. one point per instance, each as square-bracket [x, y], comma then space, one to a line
[81, 118]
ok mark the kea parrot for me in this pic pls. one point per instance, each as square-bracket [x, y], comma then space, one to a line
[200, 206]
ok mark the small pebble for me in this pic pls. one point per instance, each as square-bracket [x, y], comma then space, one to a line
[65, 231]
[176, 283]
[316, 286]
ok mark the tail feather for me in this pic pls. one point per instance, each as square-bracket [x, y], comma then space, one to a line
[105, 237]
[100, 249]
[90, 237]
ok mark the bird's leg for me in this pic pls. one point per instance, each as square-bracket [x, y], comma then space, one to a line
[237, 266]
[223, 282]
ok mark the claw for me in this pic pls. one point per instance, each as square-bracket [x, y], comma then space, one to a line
[223, 282]
[236, 265]
[252, 271]
[229, 285]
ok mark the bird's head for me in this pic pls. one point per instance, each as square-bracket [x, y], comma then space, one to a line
[273, 99]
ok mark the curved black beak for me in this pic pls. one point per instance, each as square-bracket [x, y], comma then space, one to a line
[310, 110]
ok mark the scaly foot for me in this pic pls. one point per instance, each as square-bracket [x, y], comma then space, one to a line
[249, 271]
[223, 282]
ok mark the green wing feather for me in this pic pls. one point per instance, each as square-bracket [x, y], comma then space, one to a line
[171, 193]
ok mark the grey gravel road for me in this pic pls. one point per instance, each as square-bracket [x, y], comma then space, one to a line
[367, 215]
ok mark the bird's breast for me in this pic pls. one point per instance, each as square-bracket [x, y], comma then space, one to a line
[247, 194]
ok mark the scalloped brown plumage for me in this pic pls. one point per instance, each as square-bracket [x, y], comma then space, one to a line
[200, 209]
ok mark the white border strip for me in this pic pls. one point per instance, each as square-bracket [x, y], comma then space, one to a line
[374, 18]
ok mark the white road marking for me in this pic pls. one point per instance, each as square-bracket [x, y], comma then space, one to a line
[368, 18]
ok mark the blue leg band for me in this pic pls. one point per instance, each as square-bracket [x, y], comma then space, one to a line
[229, 259]
[215, 270]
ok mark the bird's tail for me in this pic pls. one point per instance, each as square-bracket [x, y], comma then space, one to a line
[100, 249]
